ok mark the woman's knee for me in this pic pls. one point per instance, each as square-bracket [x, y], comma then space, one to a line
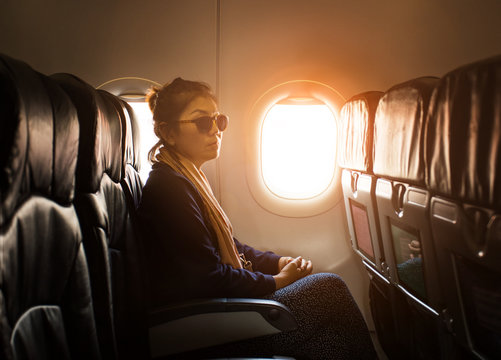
[327, 281]
[321, 289]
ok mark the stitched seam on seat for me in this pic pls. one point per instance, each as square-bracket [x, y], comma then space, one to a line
[25, 314]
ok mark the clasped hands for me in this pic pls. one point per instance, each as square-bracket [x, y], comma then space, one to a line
[291, 270]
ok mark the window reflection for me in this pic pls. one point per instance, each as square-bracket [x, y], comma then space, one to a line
[409, 258]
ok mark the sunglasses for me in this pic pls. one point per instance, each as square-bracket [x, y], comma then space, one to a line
[204, 123]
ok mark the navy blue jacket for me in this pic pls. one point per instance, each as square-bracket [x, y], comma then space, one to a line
[181, 248]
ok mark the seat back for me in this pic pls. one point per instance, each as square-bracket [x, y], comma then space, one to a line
[464, 170]
[359, 192]
[358, 182]
[107, 191]
[131, 312]
[403, 203]
[45, 300]
[402, 198]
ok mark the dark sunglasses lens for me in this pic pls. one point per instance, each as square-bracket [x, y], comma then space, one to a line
[222, 122]
[204, 124]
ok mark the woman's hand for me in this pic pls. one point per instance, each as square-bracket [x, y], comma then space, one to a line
[291, 270]
[284, 260]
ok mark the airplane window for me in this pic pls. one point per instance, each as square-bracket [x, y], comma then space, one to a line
[147, 136]
[298, 147]
[291, 148]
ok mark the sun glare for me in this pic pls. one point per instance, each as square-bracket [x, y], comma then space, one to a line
[148, 138]
[298, 150]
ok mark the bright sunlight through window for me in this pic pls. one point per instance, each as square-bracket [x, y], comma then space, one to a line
[148, 138]
[298, 149]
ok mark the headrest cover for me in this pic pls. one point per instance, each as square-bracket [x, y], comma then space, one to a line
[38, 120]
[463, 135]
[100, 149]
[399, 131]
[130, 137]
[357, 125]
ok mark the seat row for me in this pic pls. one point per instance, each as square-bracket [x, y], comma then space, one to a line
[422, 183]
[67, 284]
[71, 278]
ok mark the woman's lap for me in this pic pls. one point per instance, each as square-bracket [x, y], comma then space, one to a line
[330, 325]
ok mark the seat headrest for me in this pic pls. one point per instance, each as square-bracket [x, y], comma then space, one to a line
[39, 137]
[463, 134]
[130, 137]
[100, 149]
[399, 131]
[356, 131]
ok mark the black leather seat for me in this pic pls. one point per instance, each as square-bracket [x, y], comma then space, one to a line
[45, 300]
[358, 181]
[403, 201]
[359, 191]
[464, 172]
[402, 197]
[105, 168]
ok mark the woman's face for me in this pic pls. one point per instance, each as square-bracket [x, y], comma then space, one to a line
[189, 141]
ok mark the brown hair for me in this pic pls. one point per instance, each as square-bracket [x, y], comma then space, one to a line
[168, 102]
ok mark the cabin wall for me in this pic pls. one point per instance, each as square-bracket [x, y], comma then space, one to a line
[353, 45]
[243, 48]
[104, 40]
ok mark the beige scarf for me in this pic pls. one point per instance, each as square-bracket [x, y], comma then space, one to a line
[218, 219]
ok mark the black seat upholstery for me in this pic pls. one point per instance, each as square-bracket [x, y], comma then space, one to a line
[359, 191]
[404, 214]
[130, 283]
[355, 157]
[464, 171]
[105, 168]
[402, 197]
[45, 300]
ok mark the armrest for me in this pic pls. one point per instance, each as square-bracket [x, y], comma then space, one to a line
[207, 322]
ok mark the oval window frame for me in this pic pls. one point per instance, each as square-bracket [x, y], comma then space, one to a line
[130, 88]
[254, 125]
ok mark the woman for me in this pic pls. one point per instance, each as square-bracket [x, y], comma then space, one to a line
[191, 251]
